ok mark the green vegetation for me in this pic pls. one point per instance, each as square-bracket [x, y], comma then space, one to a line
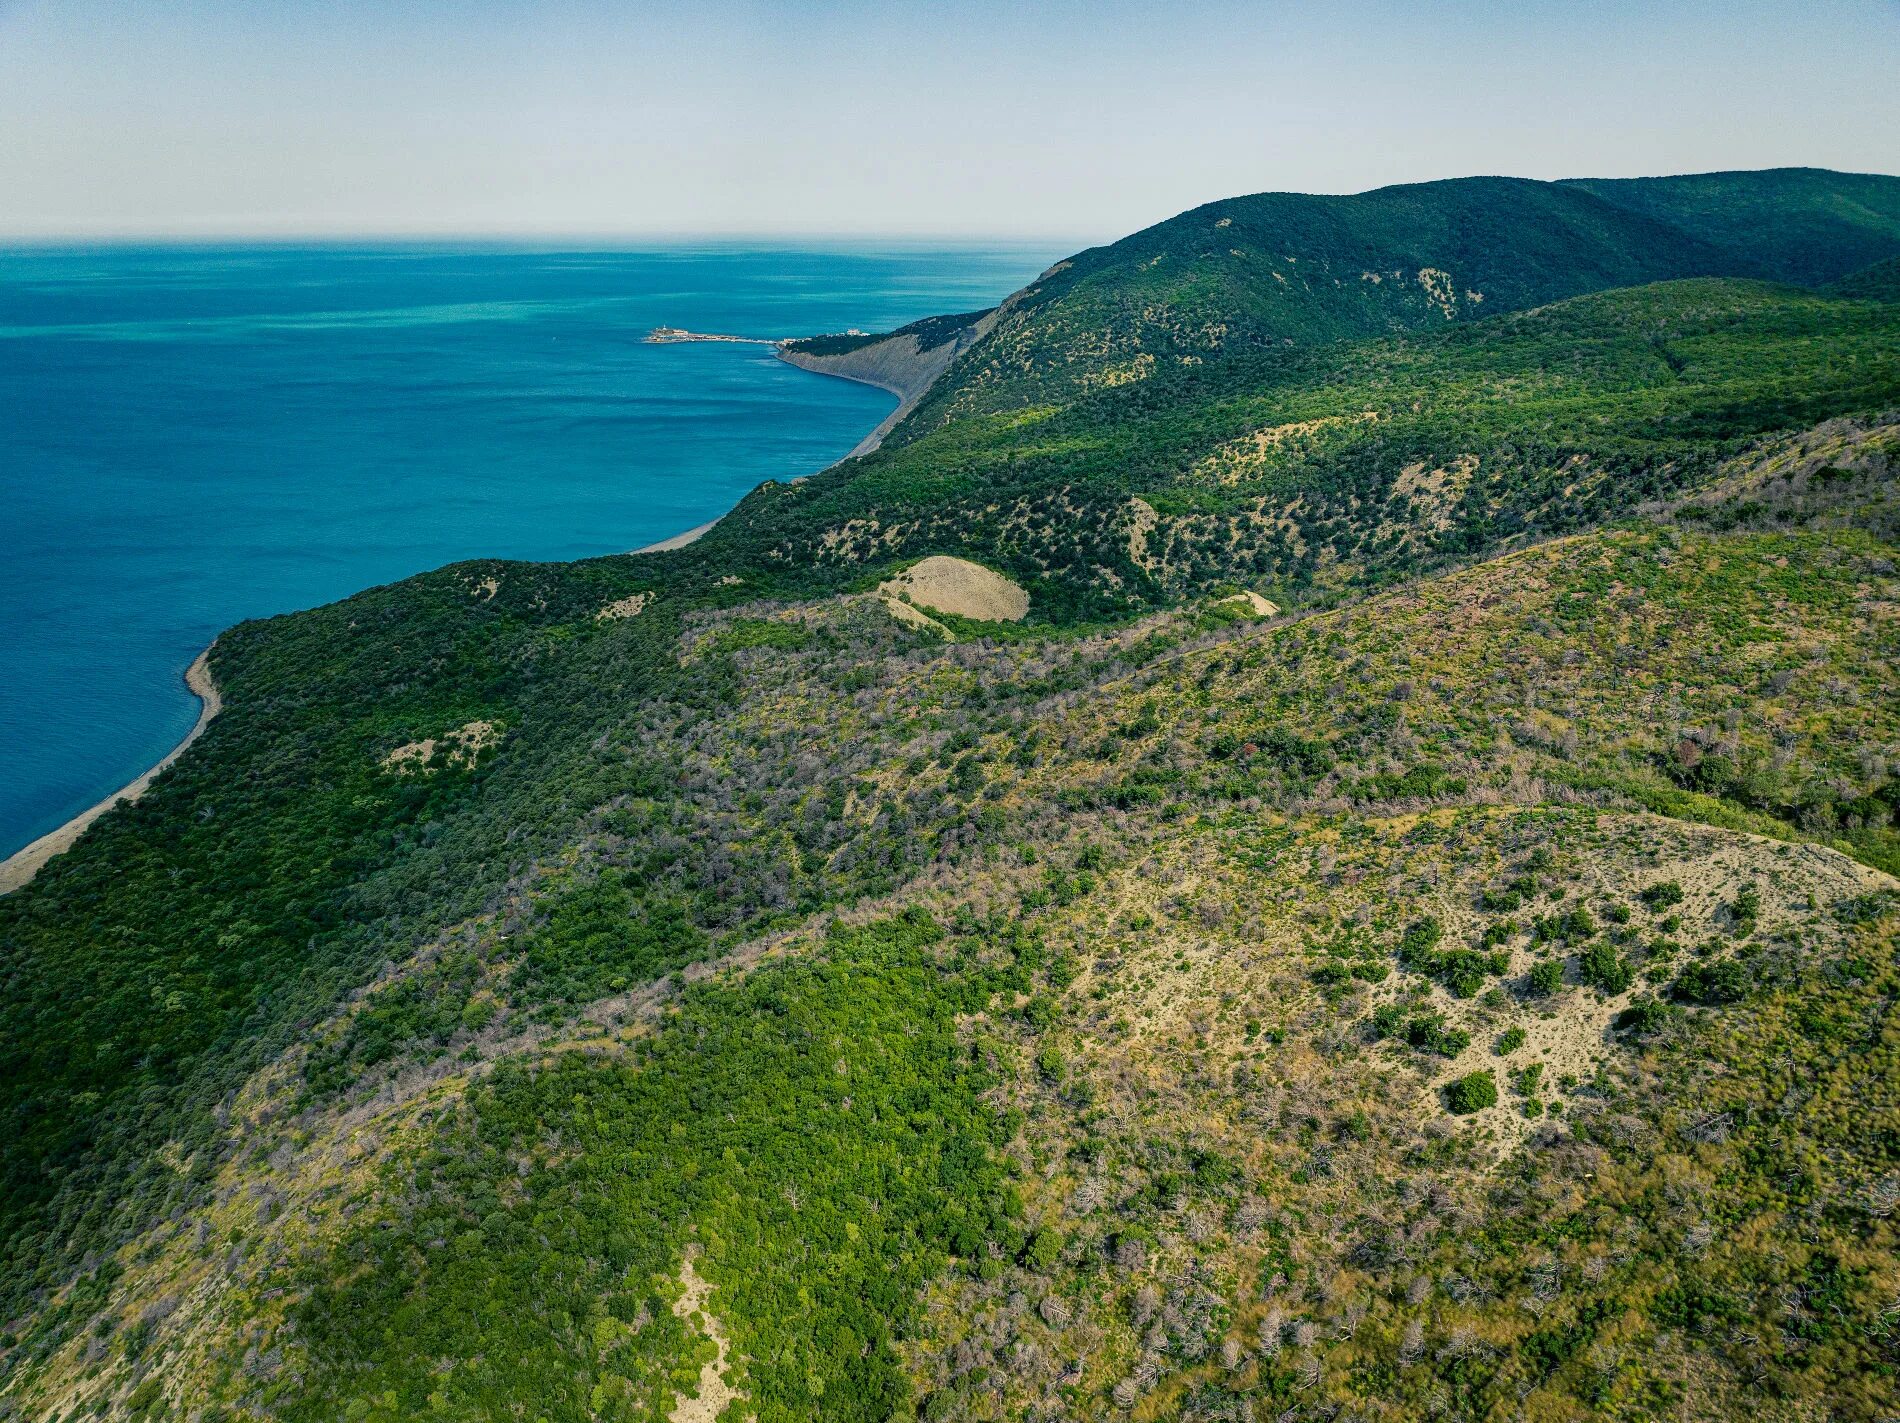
[1546, 977]
[1659, 897]
[807, 1163]
[1602, 967]
[1472, 1093]
[931, 332]
[1056, 1020]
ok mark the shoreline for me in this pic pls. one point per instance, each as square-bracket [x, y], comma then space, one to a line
[19, 868]
[680, 540]
[899, 368]
[869, 442]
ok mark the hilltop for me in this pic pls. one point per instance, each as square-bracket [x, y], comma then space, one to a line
[1346, 868]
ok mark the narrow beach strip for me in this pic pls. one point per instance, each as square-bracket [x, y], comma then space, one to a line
[678, 540]
[23, 864]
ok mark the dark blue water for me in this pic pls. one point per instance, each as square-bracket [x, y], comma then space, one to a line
[191, 436]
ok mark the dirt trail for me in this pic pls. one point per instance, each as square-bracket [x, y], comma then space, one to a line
[714, 1393]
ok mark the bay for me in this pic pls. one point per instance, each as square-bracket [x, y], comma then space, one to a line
[194, 435]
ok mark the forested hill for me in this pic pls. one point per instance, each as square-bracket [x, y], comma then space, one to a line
[1805, 225]
[1278, 269]
[1376, 898]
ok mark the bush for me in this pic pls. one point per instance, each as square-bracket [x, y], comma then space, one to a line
[1509, 1041]
[1420, 938]
[1387, 1021]
[1602, 967]
[1472, 1093]
[1547, 978]
[1711, 984]
[1427, 1032]
[1661, 896]
[1571, 927]
[1643, 1017]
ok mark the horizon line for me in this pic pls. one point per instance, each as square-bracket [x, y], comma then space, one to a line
[280, 236]
[338, 235]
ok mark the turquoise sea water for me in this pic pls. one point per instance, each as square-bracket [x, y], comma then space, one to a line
[190, 436]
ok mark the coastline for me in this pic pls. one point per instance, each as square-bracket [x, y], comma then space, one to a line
[898, 364]
[892, 363]
[678, 540]
[20, 867]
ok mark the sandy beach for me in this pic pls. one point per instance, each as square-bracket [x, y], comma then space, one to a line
[23, 864]
[678, 540]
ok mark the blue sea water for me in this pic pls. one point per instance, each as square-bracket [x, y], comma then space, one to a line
[193, 435]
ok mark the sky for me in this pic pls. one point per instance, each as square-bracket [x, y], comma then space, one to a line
[290, 118]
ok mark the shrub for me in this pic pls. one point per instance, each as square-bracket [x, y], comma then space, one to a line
[1643, 1016]
[1547, 978]
[1711, 984]
[1387, 1021]
[1460, 970]
[1427, 1032]
[1661, 896]
[1420, 938]
[1044, 1249]
[1571, 927]
[1509, 1041]
[1472, 1093]
[1602, 967]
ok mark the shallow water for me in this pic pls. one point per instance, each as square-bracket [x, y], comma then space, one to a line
[190, 436]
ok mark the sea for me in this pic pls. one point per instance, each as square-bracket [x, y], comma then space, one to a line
[192, 435]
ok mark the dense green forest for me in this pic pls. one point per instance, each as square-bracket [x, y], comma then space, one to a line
[1457, 982]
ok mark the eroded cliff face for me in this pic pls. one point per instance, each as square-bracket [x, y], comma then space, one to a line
[900, 363]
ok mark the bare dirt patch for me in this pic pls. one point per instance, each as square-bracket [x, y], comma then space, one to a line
[627, 607]
[959, 587]
[464, 746]
[714, 1394]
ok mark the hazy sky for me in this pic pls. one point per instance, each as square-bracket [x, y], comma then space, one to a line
[1053, 119]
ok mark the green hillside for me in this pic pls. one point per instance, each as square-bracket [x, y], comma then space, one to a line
[1311, 471]
[1458, 981]
[1880, 282]
[1293, 268]
[1805, 225]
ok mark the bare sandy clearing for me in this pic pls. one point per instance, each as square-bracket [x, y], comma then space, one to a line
[1264, 607]
[465, 745]
[627, 607]
[714, 1393]
[959, 587]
